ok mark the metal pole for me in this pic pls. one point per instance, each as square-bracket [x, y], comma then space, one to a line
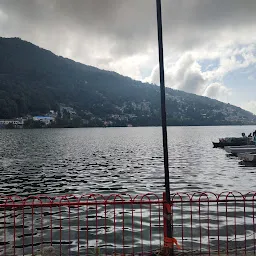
[163, 107]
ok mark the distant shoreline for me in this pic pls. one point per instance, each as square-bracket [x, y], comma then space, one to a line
[213, 125]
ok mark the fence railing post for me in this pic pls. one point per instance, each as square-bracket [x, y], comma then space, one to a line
[169, 242]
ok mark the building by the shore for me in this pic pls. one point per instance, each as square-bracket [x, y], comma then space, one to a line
[44, 119]
[17, 122]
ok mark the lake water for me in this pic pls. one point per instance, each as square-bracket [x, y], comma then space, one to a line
[113, 160]
[109, 160]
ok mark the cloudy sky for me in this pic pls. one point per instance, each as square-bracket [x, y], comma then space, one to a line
[209, 45]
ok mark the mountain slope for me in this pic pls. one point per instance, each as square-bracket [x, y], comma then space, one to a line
[34, 80]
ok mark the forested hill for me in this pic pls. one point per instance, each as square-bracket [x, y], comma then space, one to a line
[34, 81]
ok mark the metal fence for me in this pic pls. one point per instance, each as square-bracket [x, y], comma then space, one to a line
[86, 225]
[202, 223]
[211, 224]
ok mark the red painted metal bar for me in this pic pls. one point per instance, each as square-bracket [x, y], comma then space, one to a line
[78, 230]
[53, 204]
[218, 229]
[15, 205]
[69, 232]
[32, 241]
[254, 225]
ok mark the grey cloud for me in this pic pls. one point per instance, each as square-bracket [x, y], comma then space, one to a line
[132, 22]
[124, 23]
[125, 27]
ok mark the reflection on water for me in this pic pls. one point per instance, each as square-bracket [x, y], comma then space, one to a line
[76, 161]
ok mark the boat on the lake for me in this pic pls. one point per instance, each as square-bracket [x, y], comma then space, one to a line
[229, 149]
[241, 150]
[247, 157]
[234, 141]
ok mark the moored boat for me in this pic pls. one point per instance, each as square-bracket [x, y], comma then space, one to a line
[236, 141]
[232, 141]
[239, 150]
[247, 157]
[229, 149]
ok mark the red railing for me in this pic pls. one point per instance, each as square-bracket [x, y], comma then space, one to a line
[202, 224]
[211, 224]
[86, 225]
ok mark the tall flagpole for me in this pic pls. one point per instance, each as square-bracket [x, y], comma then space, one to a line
[163, 107]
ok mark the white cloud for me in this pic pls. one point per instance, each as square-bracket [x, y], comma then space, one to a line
[250, 106]
[186, 74]
[129, 65]
[218, 91]
[233, 58]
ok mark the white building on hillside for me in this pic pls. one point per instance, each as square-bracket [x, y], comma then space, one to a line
[45, 119]
[16, 122]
